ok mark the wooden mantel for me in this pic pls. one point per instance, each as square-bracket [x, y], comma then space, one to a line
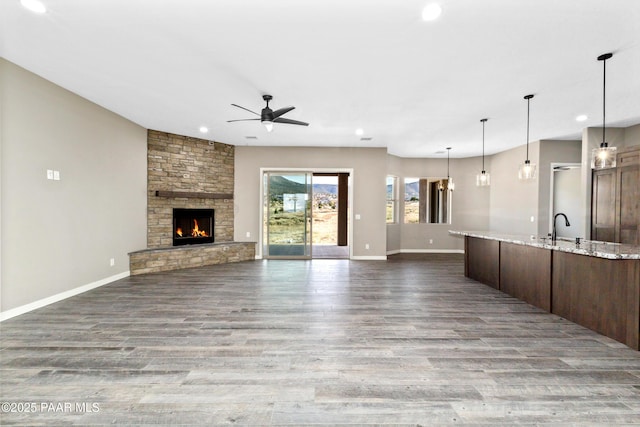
[193, 195]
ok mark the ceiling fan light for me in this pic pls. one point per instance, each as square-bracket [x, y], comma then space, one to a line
[268, 125]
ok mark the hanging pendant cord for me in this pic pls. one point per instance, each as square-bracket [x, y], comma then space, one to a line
[604, 94]
[484, 120]
[448, 163]
[528, 101]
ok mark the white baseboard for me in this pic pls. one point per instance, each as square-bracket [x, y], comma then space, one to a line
[59, 297]
[369, 258]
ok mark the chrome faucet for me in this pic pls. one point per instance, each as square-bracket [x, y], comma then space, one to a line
[566, 222]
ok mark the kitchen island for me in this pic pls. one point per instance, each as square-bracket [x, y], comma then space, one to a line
[594, 284]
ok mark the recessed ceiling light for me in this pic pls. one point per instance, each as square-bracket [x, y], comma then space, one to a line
[581, 118]
[431, 12]
[34, 6]
[366, 138]
[203, 129]
[359, 131]
[251, 137]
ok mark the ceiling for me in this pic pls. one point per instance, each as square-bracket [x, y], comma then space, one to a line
[414, 87]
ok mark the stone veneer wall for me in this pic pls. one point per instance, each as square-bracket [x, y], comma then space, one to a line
[182, 163]
[189, 256]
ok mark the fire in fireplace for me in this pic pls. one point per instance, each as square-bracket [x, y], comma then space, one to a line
[192, 226]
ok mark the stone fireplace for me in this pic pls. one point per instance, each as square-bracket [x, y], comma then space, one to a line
[194, 176]
[187, 173]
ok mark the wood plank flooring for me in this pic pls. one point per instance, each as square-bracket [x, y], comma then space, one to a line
[408, 341]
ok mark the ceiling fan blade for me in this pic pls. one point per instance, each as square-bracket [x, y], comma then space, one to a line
[282, 111]
[240, 120]
[246, 109]
[289, 121]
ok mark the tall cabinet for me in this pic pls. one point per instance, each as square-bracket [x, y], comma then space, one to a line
[615, 201]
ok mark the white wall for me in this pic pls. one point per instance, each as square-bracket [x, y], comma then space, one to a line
[58, 236]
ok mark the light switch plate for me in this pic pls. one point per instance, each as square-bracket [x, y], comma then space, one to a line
[56, 175]
[49, 174]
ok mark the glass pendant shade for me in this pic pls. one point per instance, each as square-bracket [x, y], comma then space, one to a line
[483, 179]
[527, 170]
[603, 156]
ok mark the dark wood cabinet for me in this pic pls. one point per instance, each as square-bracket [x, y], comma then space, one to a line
[603, 205]
[525, 273]
[627, 220]
[482, 260]
[601, 294]
[615, 200]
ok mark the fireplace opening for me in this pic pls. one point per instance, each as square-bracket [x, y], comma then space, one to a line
[192, 226]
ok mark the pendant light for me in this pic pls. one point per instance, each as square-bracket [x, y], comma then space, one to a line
[527, 169]
[450, 185]
[483, 178]
[604, 156]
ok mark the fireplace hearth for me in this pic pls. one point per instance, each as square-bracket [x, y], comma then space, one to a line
[192, 226]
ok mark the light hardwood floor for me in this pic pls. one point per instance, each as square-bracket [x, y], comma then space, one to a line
[408, 341]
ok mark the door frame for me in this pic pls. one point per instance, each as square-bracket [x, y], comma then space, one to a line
[261, 195]
[552, 189]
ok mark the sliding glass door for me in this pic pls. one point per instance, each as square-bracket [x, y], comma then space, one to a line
[287, 214]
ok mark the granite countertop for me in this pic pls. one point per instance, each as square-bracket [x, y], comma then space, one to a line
[586, 247]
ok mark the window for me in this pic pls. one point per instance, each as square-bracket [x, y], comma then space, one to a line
[426, 200]
[392, 199]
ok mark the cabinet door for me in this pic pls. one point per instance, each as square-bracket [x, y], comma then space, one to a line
[603, 205]
[628, 199]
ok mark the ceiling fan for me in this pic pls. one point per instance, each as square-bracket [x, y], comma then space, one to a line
[268, 117]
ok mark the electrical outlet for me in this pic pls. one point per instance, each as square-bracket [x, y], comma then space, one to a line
[49, 174]
[112, 262]
[248, 234]
[431, 241]
[533, 218]
[56, 175]
[366, 246]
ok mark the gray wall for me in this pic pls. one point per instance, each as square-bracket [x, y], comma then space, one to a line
[60, 235]
[470, 204]
[632, 136]
[513, 202]
[368, 182]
